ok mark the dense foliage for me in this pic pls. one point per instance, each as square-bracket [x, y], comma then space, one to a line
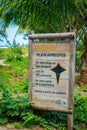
[34, 14]
[41, 16]
[15, 109]
[14, 104]
[48, 16]
[55, 15]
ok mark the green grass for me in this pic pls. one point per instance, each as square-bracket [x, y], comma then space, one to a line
[82, 87]
[4, 52]
[15, 75]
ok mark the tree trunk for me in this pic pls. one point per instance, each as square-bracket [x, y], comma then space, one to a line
[83, 73]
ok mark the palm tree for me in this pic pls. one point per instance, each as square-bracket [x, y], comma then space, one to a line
[80, 23]
[83, 73]
[3, 36]
[47, 16]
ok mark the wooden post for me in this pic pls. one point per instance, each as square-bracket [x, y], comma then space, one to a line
[54, 54]
[71, 83]
[29, 72]
[70, 121]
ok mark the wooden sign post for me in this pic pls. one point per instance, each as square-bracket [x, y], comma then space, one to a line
[51, 72]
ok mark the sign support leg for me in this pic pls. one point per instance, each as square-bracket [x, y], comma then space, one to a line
[70, 121]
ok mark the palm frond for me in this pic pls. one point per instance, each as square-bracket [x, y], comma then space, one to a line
[41, 15]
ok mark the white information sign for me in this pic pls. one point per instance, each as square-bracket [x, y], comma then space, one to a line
[50, 72]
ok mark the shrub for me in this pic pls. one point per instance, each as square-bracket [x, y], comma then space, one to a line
[17, 109]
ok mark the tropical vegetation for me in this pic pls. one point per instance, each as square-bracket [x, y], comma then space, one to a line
[49, 16]
[42, 16]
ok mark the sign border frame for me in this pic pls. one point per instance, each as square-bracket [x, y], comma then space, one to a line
[72, 41]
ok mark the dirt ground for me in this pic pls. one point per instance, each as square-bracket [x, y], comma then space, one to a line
[2, 62]
[10, 126]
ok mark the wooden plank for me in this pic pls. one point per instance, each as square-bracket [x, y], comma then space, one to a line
[65, 55]
[51, 51]
[49, 74]
[46, 92]
[46, 71]
[49, 64]
[51, 46]
[50, 98]
[30, 71]
[72, 73]
[52, 35]
[30, 49]
[50, 83]
[64, 110]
